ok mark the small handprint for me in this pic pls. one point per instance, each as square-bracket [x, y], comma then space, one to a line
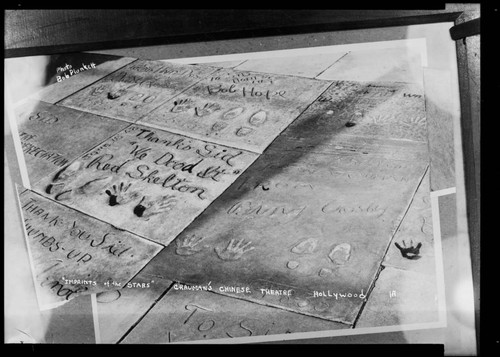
[182, 105]
[120, 194]
[234, 250]
[410, 252]
[188, 245]
[98, 90]
[147, 209]
[414, 120]
[207, 109]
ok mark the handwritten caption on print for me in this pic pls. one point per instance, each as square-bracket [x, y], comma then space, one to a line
[68, 70]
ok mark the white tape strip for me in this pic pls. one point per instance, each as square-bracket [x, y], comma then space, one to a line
[9, 112]
[418, 45]
[320, 334]
[95, 316]
[443, 192]
[438, 249]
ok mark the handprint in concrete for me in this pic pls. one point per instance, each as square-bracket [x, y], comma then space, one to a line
[188, 245]
[234, 250]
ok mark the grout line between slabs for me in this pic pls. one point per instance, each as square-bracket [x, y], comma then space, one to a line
[215, 70]
[282, 308]
[330, 66]
[381, 266]
[93, 217]
[144, 315]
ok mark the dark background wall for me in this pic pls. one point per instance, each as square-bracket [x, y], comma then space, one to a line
[29, 32]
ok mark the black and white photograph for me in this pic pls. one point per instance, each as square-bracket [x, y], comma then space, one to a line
[242, 176]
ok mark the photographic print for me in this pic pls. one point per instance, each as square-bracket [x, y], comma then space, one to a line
[250, 197]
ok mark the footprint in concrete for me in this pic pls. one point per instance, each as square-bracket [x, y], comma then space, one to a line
[147, 209]
[341, 254]
[233, 113]
[325, 272]
[292, 264]
[258, 118]
[182, 105]
[411, 252]
[207, 109]
[284, 299]
[244, 131]
[120, 194]
[188, 245]
[301, 303]
[59, 185]
[307, 246]
[219, 125]
[93, 186]
[234, 250]
[321, 306]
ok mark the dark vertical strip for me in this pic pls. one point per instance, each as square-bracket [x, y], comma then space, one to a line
[470, 124]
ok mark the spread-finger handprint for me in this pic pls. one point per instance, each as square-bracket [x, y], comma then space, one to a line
[121, 194]
[234, 250]
[188, 245]
[182, 105]
[98, 90]
[207, 109]
[410, 252]
[147, 209]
